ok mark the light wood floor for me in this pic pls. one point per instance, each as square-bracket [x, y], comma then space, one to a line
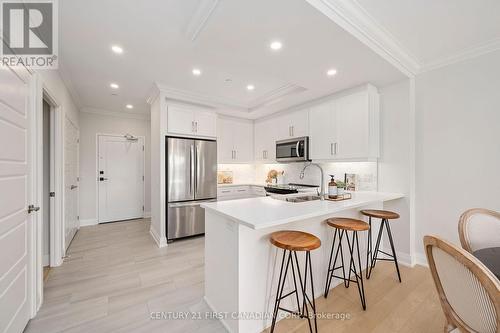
[116, 277]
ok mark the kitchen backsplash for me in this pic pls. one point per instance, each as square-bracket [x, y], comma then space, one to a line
[366, 173]
[249, 173]
[242, 173]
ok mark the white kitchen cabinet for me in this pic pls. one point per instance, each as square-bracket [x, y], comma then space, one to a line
[191, 122]
[322, 131]
[234, 140]
[265, 140]
[292, 125]
[225, 193]
[346, 128]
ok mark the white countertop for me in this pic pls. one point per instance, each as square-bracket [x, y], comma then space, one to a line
[265, 212]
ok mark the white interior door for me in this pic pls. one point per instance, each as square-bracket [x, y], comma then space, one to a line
[71, 180]
[120, 178]
[14, 196]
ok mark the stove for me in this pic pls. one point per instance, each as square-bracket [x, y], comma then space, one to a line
[288, 188]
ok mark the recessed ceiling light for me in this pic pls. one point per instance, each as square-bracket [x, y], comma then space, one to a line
[276, 45]
[114, 86]
[117, 49]
[129, 106]
[250, 87]
[331, 72]
[196, 72]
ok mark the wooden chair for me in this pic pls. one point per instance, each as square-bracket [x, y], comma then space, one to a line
[479, 228]
[469, 293]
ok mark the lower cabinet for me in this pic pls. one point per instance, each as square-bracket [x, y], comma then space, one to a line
[239, 192]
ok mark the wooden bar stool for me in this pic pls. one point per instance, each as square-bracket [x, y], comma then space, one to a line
[372, 257]
[291, 242]
[342, 227]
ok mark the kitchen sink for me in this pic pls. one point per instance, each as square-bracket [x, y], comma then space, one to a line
[304, 198]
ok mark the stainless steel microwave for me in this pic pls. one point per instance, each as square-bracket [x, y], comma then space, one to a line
[293, 150]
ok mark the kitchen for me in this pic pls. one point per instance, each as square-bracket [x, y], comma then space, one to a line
[258, 166]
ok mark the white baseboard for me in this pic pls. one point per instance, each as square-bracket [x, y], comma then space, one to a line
[147, 215]
[223, 322]
[87, 222]
[421, 259]
[45, 260]
[403, 258]
[160, 241]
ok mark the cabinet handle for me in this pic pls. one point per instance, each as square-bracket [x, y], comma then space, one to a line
[196, 126]
[335, 146]
[235, 154]
[192, 126]
[331, 148]
[293, 131]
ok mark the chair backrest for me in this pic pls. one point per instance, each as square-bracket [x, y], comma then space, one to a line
[479, 228]
[468, 291]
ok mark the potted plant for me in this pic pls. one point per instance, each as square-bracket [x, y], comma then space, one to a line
[340, 187]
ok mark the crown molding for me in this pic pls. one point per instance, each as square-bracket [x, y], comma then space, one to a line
[275, 96]
[200, 99]
[200, 18]
[353, 18]
[108, 113]
[490, 46]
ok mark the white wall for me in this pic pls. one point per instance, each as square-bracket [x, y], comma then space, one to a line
[394, 162]
[53, 82]
[458, 144]
[158, 227]
[90, 125]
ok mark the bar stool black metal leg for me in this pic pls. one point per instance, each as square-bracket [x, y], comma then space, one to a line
[361, 287]
[332, 268]
[369, 253]
[279, 290]
[304, 311]
[375, 252]
[392, 248]
[313, 305]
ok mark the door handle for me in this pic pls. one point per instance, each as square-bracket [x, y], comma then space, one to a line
[101, 179]
[32, 208]
[191, 161]
[73, 187]
[297, 149]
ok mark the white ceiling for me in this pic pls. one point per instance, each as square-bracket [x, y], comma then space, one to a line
[233, 43]
[434, 30]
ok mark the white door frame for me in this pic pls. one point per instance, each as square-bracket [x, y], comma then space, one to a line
[39, 92]
[97, 170]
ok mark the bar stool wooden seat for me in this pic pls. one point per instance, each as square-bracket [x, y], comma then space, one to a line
[372, 256]
[292, 242]
[342, 228]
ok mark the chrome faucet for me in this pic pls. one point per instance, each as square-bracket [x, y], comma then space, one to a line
[322, 188]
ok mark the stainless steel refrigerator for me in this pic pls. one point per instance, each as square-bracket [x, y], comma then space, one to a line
[191, 179]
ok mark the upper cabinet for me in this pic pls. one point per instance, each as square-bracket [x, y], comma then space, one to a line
[346, 128]
[265, 140]
[284, 126]
[292, 125]
[234, 140]
[192, 122]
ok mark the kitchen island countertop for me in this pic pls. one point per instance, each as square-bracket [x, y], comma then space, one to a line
[265, 212]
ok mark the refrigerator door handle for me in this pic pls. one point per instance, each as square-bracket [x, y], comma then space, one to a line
[192, 163]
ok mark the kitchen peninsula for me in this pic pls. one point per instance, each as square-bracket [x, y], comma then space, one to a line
[241, 266]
